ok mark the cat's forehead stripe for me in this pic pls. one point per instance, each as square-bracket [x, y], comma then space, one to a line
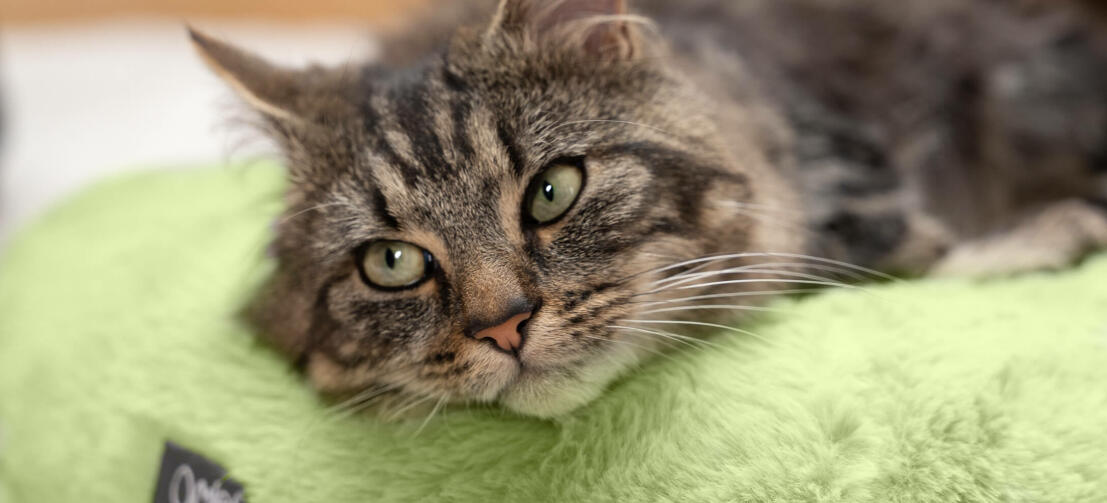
[379, 146]
[460, 112]
[513, 154]
[412, 108]
[380, 209]
[421, 127]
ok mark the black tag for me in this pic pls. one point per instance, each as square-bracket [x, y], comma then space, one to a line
[187, 477]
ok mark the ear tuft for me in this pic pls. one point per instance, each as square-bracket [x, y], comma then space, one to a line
[271, 90]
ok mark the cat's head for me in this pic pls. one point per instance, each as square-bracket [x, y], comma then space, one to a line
[480, 226]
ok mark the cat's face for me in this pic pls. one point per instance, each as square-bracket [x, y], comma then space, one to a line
[477, 228]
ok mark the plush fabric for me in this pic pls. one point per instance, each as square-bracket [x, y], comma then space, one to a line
[117, 333]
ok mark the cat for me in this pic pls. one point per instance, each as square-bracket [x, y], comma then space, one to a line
[520, 209]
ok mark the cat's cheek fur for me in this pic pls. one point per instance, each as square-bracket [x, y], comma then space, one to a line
[329, 376]
[479, 374]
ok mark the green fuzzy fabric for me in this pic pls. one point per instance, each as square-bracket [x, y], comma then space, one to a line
[117, 334]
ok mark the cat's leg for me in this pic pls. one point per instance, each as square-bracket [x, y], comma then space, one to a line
[902, 242]
[1052, 238]
[925, 241]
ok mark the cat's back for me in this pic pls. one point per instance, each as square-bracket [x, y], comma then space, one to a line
[947, 93]
[855, 51]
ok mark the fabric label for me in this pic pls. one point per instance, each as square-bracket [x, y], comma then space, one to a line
[187, 477]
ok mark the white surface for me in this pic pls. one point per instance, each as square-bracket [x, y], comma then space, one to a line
[85, 101]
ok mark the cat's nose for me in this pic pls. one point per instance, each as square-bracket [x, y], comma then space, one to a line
[508, 330]
[507, 335]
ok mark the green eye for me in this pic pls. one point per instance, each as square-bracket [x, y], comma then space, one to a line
[553, 192]
[395, 264]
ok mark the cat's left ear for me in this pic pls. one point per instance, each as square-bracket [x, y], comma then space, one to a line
[601, 28]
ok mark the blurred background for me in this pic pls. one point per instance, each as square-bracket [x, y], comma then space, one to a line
[91, 88]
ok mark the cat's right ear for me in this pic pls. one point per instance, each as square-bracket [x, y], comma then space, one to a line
[270, 89]
[598, 28]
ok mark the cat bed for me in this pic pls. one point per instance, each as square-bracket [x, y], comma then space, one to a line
[117, 335]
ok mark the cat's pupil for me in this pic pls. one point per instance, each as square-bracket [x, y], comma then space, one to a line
[390, 257]
[548, 191]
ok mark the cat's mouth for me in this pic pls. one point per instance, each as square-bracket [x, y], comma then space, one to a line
[553, 390]
[555, 371]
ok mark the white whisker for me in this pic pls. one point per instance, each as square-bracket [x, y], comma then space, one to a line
[750, 269]
[409, 404]
[780, 265]
[770, 208]
[732, 256]
[666, 335]
[628, 343]
[790, 223]
[311, 209]
[702, 324]
[437, 406]
[728, 307]
[771, 272]
[690, 341]
[606, 121]
[763, 293]
[752, 281]
[360, 401]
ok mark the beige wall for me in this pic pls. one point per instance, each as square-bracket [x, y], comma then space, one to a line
[18, 11]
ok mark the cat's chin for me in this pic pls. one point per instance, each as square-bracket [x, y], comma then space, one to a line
[549, 398]
[553, 393]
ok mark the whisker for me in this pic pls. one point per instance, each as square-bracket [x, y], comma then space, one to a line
[662, 255]
[770, 208]
[639, 346]
[378, 399]
[691, 270]
[311, 209]
[690, 341]
[664, 268]
[650, 332]
[772, 272]
[359, 401]
[789, 222]
[609, 121]
[819, 267]
[732, 256]
[409, 404]
[750, 281]
[729, 307]
[702, 324]
[437, 406]
[763, 293]
[749, 269]
[665, 341]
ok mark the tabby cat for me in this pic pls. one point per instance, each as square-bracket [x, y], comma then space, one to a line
[519, 210]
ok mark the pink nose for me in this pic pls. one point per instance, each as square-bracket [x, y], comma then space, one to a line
[508, 335]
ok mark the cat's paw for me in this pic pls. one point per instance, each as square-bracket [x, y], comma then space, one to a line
[1054, 238]
[1002, 257]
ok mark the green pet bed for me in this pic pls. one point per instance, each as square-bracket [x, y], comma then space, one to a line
[117, 335]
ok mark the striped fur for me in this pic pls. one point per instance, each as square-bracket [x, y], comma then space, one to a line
[714, 137]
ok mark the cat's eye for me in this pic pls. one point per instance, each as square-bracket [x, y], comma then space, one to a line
[392, 265]
[553, 192]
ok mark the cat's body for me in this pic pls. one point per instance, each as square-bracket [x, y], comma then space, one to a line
[910, 124]
[682, 179]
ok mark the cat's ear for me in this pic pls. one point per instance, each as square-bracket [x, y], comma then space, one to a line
[271, 90]
[599, 27]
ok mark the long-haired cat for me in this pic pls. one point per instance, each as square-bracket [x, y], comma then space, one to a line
[520, 209]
